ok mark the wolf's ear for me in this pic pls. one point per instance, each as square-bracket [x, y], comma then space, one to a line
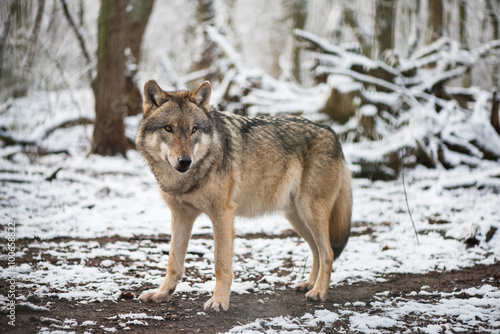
[153, 96]
[201, 96]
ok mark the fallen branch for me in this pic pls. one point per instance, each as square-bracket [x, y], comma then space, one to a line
[10, 139]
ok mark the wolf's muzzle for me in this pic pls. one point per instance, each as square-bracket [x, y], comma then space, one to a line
[184, 163]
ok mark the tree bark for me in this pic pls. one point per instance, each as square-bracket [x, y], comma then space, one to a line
[495, 116]
[495, 24]
[384, 26]
[436, 17]
[352, 20]
[205, 16]
[137, 20]
[414, 20]
[34, 37]
[3, 45]
[109, 129]
[462, 10]
[14, 82]
[297, 11]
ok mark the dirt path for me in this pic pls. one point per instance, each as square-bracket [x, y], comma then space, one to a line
[185, 315]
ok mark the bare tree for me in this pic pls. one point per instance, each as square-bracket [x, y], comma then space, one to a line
[436, 18]
[205, 16]
[109, 86]
[34, 37]
[297, 13]
[364, 40]
[13, 54]
[384, 25]
[493, 11]
[462, 11]
[414, 19]
[136, 22]
[3, 45]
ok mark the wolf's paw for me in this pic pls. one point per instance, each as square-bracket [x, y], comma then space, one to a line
[154, 297]
[217, 304]
[304, 286]
[316, 295]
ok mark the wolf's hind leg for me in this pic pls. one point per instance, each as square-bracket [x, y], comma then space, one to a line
[315, 214]
[300, 227]
[182, 224]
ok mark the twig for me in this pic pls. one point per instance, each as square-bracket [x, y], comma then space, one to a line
[406, 200]
[79, 37]
[53, 175]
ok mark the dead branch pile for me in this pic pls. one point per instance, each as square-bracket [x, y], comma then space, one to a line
[405, 106]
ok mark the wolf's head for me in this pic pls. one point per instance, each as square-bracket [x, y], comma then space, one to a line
[176, 126]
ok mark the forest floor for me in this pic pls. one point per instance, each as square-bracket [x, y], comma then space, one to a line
[184, 313]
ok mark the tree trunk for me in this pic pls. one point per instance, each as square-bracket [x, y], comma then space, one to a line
[495, 109]
[462, 10]
[109, 128]
[414, 20]
[351, 18]
[436, 17]
[5, 74]
[384, 25]
[297, 12]
[13, 80]
[205, 16]
[34, 38]
[137, 20]
[495, 24]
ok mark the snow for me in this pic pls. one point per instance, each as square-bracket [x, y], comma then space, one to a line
[98, 197]
[388, 315]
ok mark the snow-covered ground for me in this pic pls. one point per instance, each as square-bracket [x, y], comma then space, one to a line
[93, 197]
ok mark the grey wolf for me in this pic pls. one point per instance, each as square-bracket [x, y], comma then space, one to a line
[225, 165]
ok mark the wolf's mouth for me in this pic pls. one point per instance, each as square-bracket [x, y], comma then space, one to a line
[182, 169]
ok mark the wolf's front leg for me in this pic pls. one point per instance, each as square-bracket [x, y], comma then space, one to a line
[182, 224]
[223, 227]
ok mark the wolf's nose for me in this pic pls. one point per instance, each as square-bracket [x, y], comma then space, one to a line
[185, 161]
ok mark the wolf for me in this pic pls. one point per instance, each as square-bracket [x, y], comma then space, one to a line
[226, 165]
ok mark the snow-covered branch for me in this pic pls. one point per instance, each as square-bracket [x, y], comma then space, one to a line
[417, 117]
[10, 139]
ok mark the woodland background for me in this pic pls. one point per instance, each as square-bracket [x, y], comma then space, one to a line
[410, 86]
[369, 65]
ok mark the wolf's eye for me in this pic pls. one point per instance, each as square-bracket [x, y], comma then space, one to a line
[168, 128]
[195, 128]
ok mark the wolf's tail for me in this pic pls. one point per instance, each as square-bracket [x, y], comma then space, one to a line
[340, 218]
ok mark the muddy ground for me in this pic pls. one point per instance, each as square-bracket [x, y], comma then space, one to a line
[184, 313]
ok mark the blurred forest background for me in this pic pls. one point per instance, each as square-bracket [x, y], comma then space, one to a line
[375, 70]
